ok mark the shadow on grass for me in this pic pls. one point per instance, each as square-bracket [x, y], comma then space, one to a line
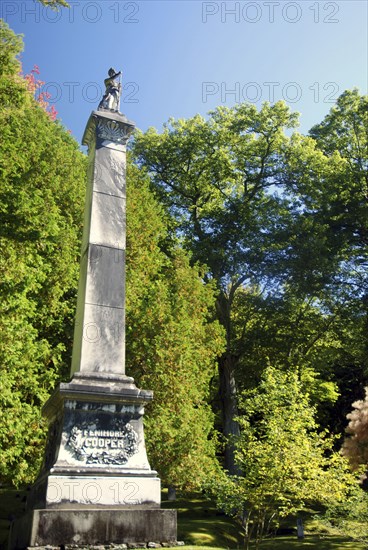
[200, 524]
[287, 543]
[312, 542]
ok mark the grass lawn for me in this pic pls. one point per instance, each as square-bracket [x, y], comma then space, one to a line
[200, 526]
[312, 542]
[286, 543]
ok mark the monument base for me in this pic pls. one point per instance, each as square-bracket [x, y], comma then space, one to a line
[91, 526]
[96, 486]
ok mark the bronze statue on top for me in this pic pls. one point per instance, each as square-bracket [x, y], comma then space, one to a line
[111, 98]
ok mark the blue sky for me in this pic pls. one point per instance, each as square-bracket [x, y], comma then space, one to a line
[180, 58]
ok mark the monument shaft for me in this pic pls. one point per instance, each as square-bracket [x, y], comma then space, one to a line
[99, 337]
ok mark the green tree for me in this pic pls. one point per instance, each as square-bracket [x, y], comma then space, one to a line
[216, 177]
[172, 343]
[233, 186]
[286, 462]
[55, 4]
[327, 175]
[350, 517]
[343, 205]
[41, 204]
[323, 337]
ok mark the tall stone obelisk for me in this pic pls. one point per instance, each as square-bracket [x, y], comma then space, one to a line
[99, 338]
[96, 485]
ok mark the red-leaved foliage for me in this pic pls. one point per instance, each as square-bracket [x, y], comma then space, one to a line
[34, 86]
[355, 447]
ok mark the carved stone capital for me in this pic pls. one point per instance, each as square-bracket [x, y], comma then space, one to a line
[112, 130]
[107, 126]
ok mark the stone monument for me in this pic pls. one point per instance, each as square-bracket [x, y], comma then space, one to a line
[96, 485]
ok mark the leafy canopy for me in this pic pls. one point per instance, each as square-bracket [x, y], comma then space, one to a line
[41, 204]
[285, 461]
[172, 343]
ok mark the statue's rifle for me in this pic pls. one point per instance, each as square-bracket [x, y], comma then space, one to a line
[120, 89]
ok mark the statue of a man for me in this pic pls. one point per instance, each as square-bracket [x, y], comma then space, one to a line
[111, 97]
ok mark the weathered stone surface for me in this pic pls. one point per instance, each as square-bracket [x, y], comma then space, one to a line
[108, 221]
[102, 343]
[103, 287]
[95, 527]
[99, 336]
[109, 172]
[63, 491]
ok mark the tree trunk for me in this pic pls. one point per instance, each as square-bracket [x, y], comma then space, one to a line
[227, 390]
[228, 398]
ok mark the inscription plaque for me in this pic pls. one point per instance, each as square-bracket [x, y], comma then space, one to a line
[92, 445]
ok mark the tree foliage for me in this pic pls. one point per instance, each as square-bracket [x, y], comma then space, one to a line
[214, 177]
[55, 4]
[286, 462]
[172, 343]
[280, 224]
[41, 202]
[327, 174]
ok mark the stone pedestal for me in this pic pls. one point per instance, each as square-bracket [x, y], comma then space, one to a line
[96, 485]
[95, 527]
[96, 453]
